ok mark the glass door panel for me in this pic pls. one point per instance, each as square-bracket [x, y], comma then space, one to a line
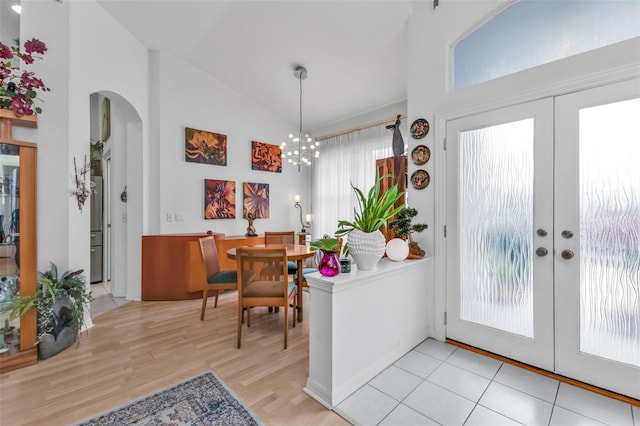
[496, 207]
[610, 231]
[9, 244]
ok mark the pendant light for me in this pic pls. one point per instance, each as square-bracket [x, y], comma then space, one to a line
[302, 149]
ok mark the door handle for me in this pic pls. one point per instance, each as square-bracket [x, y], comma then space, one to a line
[567, 234]
[567, 254]
[541, 232]
[541, 251]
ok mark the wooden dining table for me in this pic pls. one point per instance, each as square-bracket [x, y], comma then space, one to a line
[295, 252]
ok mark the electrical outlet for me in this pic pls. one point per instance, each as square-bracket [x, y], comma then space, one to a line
[169, 217]
[179, 217]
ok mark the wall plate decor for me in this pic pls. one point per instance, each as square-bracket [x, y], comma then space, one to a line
[420, 155]
[419, 128]
[219, 199]
[266, 157]
[420, 179]
[205, 147]
[255, 199]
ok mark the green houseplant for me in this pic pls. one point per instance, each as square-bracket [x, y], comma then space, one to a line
[404, 227]
[60, 303]
[95, 156]
[365, 243]
[329, 262]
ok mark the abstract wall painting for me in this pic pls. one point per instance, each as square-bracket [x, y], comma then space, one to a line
[205, 147]
[219, 199]
[266, 157]
[256, 199]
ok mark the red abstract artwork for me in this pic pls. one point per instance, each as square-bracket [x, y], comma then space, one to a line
[219, 199]
[266, 157]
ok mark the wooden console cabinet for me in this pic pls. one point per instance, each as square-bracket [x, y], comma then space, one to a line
[167, 263]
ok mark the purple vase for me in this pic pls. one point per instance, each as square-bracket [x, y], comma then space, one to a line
[329, 265]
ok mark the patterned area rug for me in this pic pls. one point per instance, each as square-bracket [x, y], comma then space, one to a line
[200, 400]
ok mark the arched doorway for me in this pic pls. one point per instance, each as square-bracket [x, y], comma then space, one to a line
[117, 226]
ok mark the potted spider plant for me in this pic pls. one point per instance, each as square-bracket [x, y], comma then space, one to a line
[365, 242]
[60, 303]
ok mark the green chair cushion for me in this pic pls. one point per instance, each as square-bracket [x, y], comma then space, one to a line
[224, 277]
[292, 267]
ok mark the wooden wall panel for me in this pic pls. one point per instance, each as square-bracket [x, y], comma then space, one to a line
[170, 269]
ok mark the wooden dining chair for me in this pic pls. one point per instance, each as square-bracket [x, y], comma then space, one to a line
[263, 280]
[282, 237]
[216, 280]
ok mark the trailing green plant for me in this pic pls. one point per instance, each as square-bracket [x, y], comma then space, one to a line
[374, 210]
[71, 284]
[402, 224]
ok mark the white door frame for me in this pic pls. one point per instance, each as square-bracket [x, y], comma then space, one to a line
[470, 102]
[587, 368]
[537, 349]
[570, 360]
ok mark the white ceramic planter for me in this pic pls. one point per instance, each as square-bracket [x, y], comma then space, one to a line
[366, 248]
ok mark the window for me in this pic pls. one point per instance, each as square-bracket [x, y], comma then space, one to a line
[345, 160]
[534, 32]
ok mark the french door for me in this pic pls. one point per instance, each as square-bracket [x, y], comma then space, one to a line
[543, 234]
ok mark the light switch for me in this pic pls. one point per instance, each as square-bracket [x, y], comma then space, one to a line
[124, 217]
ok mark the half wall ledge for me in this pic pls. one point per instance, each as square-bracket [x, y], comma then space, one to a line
[362, 322]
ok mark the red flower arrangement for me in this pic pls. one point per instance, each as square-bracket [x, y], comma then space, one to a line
[18, 86]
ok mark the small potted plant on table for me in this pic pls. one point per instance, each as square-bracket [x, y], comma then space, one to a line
[329, 264]
[403, 228]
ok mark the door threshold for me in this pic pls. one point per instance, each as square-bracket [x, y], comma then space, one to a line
[577, 383]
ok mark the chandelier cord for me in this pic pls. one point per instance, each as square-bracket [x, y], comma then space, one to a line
[300, 130]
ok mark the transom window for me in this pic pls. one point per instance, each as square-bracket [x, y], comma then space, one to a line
[533, 32]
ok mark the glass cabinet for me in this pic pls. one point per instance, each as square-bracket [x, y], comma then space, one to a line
[18, 264]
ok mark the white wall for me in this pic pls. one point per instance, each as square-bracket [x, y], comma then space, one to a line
[90, 53]
[86, 52]
[190, 98]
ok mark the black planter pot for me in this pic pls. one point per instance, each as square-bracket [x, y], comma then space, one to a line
[51, 345]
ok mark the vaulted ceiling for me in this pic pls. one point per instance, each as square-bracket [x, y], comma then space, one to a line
[355, 51]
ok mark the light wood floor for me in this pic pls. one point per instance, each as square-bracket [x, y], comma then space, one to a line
[142, 347]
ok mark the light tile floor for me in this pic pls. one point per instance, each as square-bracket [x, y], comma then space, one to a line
[103, 301]
[441, 384]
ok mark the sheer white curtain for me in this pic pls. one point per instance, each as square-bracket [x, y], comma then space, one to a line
[346, 159]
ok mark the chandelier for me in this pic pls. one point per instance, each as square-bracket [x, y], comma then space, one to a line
[303, 149]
